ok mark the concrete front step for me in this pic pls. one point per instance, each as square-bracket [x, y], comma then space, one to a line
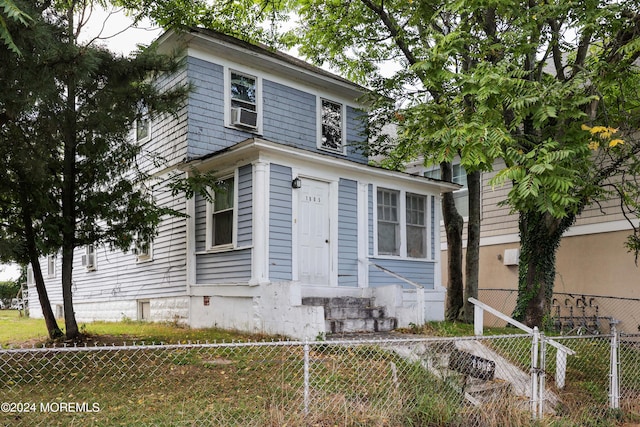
[337, 326]
[338, 301]
[352, 314]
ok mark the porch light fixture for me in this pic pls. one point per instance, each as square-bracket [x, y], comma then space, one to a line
[296, 183]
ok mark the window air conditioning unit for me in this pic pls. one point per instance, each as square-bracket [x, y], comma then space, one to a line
[244, 117]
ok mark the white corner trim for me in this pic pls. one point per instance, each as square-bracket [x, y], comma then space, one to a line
[260, 223]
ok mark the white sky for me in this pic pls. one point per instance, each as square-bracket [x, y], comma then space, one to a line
[9, 272]
[114, 29]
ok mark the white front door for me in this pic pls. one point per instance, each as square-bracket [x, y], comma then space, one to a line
[313, 232]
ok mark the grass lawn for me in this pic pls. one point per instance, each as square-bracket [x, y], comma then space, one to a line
[262, 385]
[16, 330]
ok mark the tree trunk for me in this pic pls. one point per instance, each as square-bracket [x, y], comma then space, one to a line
[472, 261]
[540, 236]
[32, 252]
[68, 197]
[453, 224]
[49, 317]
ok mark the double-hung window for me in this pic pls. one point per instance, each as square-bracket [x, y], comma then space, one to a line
[143, 249]
[143, 125]
[332, 126]
[243, 95]
[89, 258]
[221, 215]
[416, 207]
[461, 196]
[402, 233]
[388, 222]
[51, 266]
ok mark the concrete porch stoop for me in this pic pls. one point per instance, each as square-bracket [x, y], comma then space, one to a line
[352, 314]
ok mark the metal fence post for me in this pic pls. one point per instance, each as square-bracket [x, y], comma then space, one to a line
[534, 372]
[614, 380]
[306, 377]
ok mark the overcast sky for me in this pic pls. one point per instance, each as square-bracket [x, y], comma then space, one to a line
[114, 29]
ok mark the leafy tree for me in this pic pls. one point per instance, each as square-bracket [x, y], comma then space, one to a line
[549, 87]
[8, 291]
[9, 11]
[27, 207]
[358, 38]
[244, 19]
[91, 192]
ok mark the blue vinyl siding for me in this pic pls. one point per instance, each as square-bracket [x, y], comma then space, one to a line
[232, 266]
[348, 233]
[119, 277]
[245, 206]
[290, 118]
[356, 125]
[207, 133]
[280, 219]
[244, 215]
[421, 272]
[224, 267]
[289, 115]
[200, 223]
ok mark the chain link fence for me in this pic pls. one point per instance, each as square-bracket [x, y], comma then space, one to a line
[469, 381]
[572, 314]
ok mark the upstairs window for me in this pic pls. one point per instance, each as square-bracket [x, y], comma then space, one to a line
[221, 217]
[143, 125]
[461, 196]
[51, 266]
[332, 126]
[89, 258]
[244, 100]
[30, 277]
[143, 249]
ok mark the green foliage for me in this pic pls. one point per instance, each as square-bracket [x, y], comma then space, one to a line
[8, 290]
[71, 173]
[11, 12]
[522, 84]
[244, 19]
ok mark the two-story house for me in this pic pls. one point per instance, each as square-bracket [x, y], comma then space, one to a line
[300, 223]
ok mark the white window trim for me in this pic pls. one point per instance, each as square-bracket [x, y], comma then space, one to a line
[135, 129]
[456, 193]
[51, 261]
[31, 280]
[209, 223]
[343, 125]
[402, 216]
[227, 99]
[94, 266]
[143, 257]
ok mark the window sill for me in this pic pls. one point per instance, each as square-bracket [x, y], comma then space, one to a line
[222, 249]
[256, 131]
[329, 150]
[401, 258]
[144, 260]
